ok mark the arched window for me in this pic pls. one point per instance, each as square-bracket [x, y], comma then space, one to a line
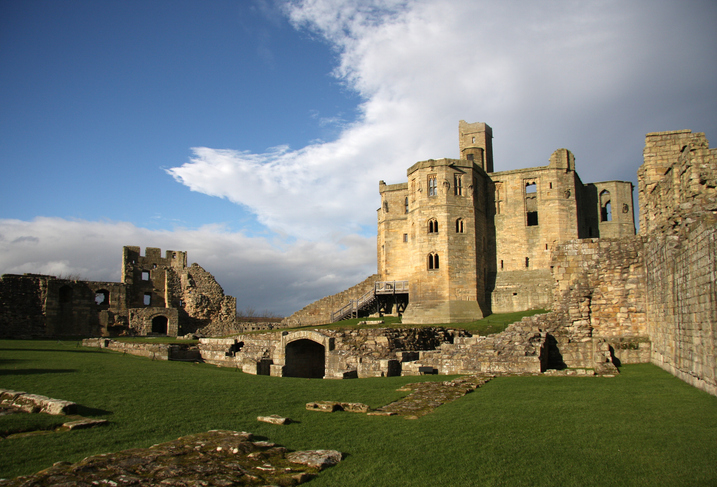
[459, 225]
[605, 209]
[432, 261]
[432, 226]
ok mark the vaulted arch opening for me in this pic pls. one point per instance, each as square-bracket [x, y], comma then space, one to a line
[305, 358]
[159, 325]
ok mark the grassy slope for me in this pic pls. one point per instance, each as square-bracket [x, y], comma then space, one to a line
[644, 427]
[494, 323]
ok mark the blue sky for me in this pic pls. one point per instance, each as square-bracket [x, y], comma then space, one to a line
[253, 134]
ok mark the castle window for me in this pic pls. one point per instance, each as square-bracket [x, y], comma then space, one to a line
[527, 262]
[405, 204]
[432, 185]
[473, 140]
[605, 209]
[147, 299]
[532, 218]
[531, 203]
[459, 225]
[385, 206]
[469, 157]
[145, 275]
[432, 226]
[458, 185]
[405, 237]
[102, 297]
[501, 264]
[432, 261]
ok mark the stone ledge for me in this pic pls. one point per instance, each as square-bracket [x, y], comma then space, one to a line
[34, 403]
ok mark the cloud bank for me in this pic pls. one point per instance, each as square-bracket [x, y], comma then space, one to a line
[262, 274]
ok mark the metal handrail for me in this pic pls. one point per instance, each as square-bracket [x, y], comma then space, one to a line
[380, 287]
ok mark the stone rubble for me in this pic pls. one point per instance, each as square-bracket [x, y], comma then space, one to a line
[274, 419]
[218, 458]
[427, 396]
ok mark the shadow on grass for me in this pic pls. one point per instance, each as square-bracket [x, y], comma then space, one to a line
[53, 350]
[87, 411]
[35, 371]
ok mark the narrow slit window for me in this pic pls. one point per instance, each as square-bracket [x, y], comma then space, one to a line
[405, 205]
[532, 218]
[458, 185]
[527, 262]
[432, 186]
[605, 208]
[459, 225]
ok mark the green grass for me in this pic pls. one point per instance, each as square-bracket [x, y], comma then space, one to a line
[644, 427]
[494, 323]
[25, 422]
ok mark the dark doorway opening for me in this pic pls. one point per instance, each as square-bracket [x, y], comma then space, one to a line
[305, 358]
[159, 325]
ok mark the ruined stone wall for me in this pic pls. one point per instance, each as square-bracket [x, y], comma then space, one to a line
[319, 312]
[146, 276]
[678, 205]
[539, 207]
[22, 305]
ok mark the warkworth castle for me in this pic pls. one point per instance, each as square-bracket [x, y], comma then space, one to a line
[456, 242]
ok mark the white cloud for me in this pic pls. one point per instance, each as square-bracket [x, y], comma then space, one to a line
[590, 76]
[263, 274]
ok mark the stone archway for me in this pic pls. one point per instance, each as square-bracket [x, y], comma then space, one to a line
[159, 325]
[305, 358]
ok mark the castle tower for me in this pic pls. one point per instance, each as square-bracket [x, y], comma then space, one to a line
[432, 232]
[475, 141]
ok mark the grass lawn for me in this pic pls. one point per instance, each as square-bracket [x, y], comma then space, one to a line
[494, 323]
[644, 427]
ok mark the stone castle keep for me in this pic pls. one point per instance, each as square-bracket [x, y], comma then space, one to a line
[455, 242]
[471, 241]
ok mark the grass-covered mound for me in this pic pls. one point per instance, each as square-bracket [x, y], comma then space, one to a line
[644, 427]
[494, 323]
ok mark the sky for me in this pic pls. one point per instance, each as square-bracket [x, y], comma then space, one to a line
[253, 133]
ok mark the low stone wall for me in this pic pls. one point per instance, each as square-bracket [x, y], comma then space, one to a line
[155, 351]
[34, 403]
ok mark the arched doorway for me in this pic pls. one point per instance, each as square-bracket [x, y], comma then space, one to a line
[304, 358]
[159, 325]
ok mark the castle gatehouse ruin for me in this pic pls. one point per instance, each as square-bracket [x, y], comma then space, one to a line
[157, 296]
[455, 242]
